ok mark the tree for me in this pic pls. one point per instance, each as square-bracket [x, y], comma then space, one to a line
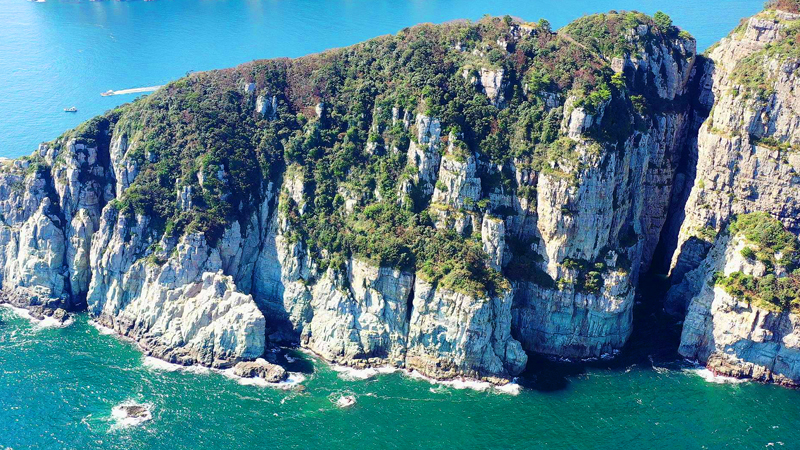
[544, 25]
[662, 20]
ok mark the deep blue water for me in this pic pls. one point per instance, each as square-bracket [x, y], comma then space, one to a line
[55, 55]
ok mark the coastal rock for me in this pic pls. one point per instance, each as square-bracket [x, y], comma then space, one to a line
[423, 155]
[272, 373]
[452, 334]
[492, 82]
[740, 166]
[194, 315]
[130, 414]
[354, 225]
[733, 337]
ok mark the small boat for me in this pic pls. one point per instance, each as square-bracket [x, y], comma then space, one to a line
[73, 109]
[107, 93]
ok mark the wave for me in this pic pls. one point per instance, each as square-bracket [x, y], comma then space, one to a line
[511, 388]
[711, 377]
[293, 379]
[46, 322]
[352, 374]
[159, 364]
[349, 373]
[130, 414]
[104, 330]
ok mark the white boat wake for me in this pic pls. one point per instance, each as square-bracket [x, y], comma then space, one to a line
[131, 91]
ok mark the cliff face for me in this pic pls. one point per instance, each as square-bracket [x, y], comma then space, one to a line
[743, 321]
[442, 200]
[747, 162]
[745, 149]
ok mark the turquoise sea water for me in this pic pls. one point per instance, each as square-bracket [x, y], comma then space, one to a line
[55, 55]
[58, 387]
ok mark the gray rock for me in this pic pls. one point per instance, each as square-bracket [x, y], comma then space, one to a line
[272, 373]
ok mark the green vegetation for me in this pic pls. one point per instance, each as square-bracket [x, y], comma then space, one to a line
[750, 72]
[662, 20]
[589, 276]
[768, 292]
[792, 6]
[773, 143]
[202, 134]
[775, 247]
[618, 35]
[708, 234]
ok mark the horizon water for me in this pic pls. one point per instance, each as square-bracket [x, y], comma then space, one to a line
[59, 54]
[58, 386]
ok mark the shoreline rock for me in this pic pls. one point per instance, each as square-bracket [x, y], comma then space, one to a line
[38, 308]
[272, 373]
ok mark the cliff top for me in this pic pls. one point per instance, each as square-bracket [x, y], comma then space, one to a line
[345, 117]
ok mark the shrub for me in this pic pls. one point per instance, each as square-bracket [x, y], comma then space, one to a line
[662, 20]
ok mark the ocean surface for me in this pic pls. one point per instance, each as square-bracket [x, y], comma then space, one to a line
[60, 54]
[58, 387]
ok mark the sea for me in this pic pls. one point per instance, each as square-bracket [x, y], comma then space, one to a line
[56, 55]
[61, 387]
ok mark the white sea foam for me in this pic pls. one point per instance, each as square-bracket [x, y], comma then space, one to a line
[661, 370]
[47, 322]
[346, 401]
[459, 383]
[511, 388]
[158, 364]
[123, 419]
[711, 377]
[104, 330]
[292, 380]
[350, 374]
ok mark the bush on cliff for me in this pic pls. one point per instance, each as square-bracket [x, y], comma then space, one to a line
[201, 134]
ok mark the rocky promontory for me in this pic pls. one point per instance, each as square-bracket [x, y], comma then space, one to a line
[446, 200]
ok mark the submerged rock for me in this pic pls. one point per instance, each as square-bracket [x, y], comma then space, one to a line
[346, 401]
[131, 414]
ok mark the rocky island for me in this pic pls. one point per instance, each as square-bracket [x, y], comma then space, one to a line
[445, 200]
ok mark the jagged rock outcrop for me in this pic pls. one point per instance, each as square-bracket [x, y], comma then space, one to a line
[398, 202]
[184, 311]
[744, 157]
[272, 373]
[423, 155]
[732, 336]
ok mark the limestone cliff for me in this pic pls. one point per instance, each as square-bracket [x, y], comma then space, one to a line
[746, 158]
[442, 200]
[743, 321]
[746, 166]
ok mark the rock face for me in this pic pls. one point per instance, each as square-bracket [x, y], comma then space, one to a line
[746, 162]
[453, 334]
[741, 167]
[66, 248]
[731, 336]
[419, 211]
